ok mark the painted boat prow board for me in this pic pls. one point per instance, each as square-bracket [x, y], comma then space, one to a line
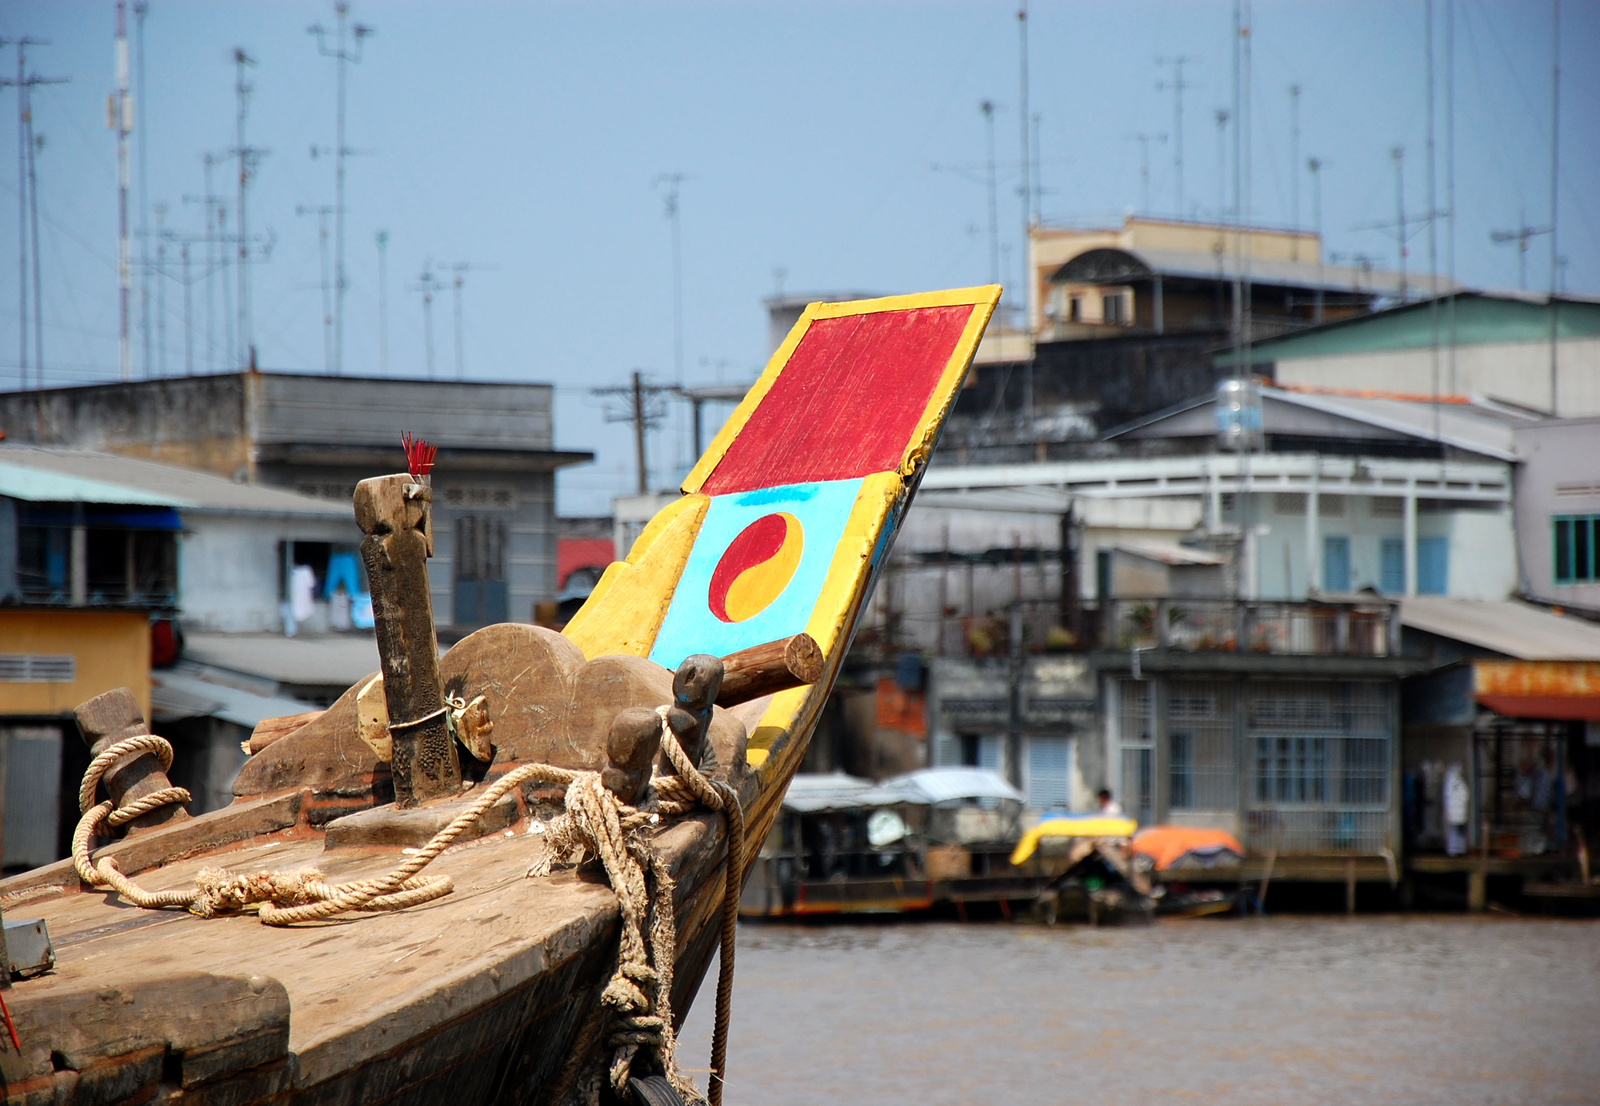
[785, 521]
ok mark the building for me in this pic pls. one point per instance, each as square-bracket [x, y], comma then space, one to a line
[1123, 322]
[1505, 347]
[1558, 508]
[105, 561]
[494, 480]
[1508, 703]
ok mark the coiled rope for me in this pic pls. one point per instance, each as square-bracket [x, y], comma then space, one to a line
[636, 1001]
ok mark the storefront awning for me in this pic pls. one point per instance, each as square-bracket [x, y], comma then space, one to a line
[1573, 708]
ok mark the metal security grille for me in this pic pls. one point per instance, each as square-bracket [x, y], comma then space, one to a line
[1319, 766]
[1136, 750]
[1200, 733]
[1520, 788]
[38, 668]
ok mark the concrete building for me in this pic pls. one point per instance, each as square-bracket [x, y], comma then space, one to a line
[1529, 351]
[1558, 512]
[494, 547]
[104, 561]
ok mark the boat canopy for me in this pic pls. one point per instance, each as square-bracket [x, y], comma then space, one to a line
[1077, 825]
[809, 794]
[1174, 846]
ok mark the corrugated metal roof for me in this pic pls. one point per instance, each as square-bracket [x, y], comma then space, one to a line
[944, 785]
[1513, 629]
[185, 694]
[808, 794]
[338, 659]
[43, 474]
[1170, 554]
[924, 787]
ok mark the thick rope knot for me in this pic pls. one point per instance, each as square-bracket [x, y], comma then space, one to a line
[636, 1005]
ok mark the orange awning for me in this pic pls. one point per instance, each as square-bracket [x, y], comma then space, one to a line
[1166, 845]
[1574, 708]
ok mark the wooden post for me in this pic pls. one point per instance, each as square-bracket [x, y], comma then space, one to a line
[395, 514]
[1350, 885]
[763, 669]
[107, 719]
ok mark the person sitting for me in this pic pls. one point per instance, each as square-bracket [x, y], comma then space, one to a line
[1109, 807]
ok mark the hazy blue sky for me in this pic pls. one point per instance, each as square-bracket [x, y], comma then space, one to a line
[525, 138]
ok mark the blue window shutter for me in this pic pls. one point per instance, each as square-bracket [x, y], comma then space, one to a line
[1335, 564]
[1433, 566]
[1392, 566]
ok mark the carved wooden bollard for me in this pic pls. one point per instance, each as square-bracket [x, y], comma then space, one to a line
[107, 719]
[694, 691]
[395, 514]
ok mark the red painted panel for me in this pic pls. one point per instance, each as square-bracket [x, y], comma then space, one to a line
[847, 402]
[1575, 708]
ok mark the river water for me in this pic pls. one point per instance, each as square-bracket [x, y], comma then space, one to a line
[1372, 1009]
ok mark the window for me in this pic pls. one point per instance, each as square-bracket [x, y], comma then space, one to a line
[1335, 564]
[1392, 566]
[1575, 548]
[1113, 307]
[1075, 309]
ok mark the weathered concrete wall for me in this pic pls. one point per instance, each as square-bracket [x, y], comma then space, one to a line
[198, 422]
[229, 567]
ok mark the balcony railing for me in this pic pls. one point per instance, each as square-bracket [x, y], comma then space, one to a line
[1353, 628]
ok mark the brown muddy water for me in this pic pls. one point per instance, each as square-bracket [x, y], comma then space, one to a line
[1375, 1009]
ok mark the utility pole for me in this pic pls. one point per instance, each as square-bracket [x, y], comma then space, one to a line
[458, 270]
[1177, 85]
[161, 293]
[1555, 196]
[248, 157]
[119, 114]
[342, 55]
[1222, 115]
[643, 412]
[428, 284]
[1144, 140]
[382, 238]
[27, 206]
[1316, 165]
[325, 285]
[986, 107]
[1398, 153]
[139, 10]
[1294, 166]
[672, 181]
[1027, 176]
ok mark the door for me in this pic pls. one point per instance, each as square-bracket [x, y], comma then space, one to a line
[1335, 564]
[1392, 567]
[1433, 566]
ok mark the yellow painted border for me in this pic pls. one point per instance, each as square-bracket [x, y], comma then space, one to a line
[983, 298]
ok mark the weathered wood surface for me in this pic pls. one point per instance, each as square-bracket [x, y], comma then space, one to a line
[472, 998]
[107, 719]
[393, 513]
[269, 730]
[765, 669]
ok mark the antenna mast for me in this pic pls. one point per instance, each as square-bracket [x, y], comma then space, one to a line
[248, 156]
[341, 55]
[672, 181]
[120, 115]
[1177, 85]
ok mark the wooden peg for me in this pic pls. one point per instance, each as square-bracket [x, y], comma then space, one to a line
[763, 669]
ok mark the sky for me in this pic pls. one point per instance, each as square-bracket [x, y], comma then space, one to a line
[822, 147]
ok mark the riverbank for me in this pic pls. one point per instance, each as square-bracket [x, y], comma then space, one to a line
[1373, 1009]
